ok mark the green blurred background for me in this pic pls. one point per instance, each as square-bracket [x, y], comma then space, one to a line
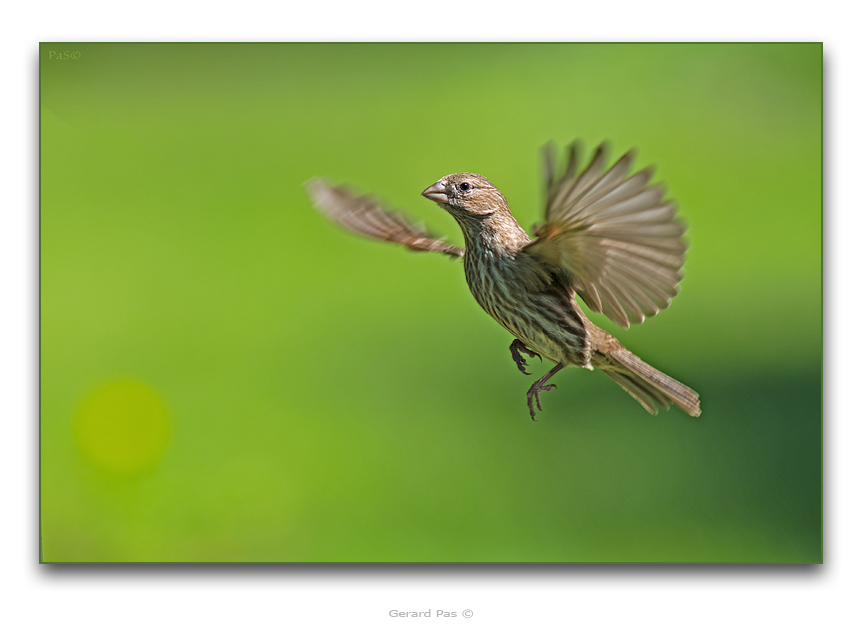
[225, 376]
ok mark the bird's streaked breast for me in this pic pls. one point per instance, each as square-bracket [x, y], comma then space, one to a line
[543, 319]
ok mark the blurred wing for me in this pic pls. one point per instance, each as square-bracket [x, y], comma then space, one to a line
[365, 216]
[615, 236]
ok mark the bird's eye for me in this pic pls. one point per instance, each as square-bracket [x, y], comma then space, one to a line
[464, 186]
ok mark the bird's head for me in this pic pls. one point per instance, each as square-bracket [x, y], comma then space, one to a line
[466, 194]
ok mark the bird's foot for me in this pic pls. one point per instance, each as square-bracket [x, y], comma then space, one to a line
[533, 395]
[516, 349]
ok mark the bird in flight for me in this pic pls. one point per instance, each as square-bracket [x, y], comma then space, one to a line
[609, 237]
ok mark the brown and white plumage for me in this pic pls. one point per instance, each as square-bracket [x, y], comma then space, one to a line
[617, 238]
[609, 237]
[365, 216]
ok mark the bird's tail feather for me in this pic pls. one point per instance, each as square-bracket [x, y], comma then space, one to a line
[649, 386]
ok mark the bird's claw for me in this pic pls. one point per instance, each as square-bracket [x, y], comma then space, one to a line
[516, 349]
[533, 395]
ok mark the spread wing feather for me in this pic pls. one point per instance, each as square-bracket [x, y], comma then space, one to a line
[365, 216]
[615, 236]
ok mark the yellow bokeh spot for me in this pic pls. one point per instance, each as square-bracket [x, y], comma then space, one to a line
[123, 426]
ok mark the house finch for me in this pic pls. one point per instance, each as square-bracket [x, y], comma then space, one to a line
[608, 237]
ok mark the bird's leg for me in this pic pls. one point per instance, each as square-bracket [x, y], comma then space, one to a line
[516, 349]
[539, 386]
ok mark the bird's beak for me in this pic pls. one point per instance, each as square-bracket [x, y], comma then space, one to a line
[437, 193]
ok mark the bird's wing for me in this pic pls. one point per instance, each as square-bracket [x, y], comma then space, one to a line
[365, 216]
[617, 239]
